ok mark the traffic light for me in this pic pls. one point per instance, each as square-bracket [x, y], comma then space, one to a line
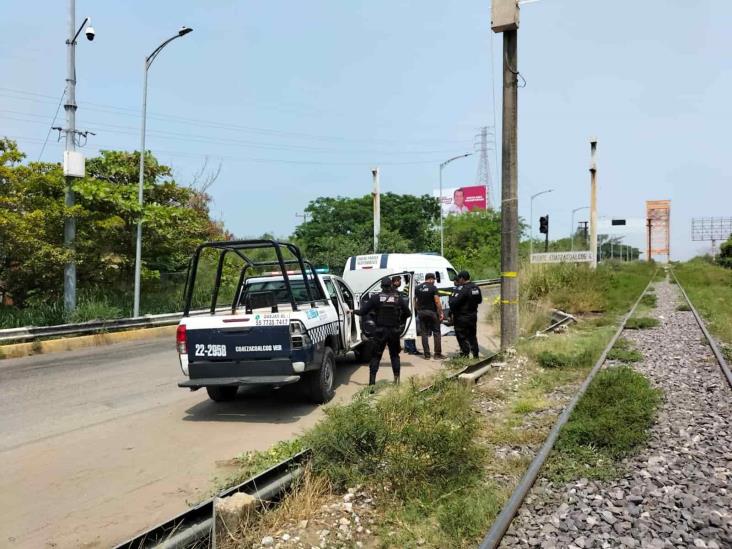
[544, 224]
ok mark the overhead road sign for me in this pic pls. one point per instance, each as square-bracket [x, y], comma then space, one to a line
[563, 257]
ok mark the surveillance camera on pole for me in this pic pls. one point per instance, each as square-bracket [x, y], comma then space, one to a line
[90, 32]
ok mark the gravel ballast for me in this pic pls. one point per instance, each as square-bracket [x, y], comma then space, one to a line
[677, 491]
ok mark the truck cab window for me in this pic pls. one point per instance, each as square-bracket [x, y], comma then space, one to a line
[451, 274]
[347, 295]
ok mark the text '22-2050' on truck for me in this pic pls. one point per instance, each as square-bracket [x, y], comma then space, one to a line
[275, 328]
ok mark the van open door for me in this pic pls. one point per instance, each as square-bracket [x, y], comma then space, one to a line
[406, 290]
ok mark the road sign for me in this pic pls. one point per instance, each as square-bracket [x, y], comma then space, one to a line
[563, 257]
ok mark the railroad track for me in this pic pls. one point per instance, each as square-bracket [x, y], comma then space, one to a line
[193, 527]
[502, 523]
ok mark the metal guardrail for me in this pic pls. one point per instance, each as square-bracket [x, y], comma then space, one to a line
[30, 333]
[95, 326]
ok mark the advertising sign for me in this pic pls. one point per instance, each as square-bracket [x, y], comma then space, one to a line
[562, 257]
[460, 200]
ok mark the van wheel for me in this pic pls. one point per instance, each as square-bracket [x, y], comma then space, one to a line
[321, 383]
[364, 352]
[222, 393]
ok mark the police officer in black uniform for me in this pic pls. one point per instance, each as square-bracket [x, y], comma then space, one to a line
[390, 310]
[464, 309]
[429, 311]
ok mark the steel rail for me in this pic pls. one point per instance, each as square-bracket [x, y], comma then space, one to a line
[712, 343]
[196, 524]
[508, 512]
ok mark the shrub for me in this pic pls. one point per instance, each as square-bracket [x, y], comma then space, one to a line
[648, 299]
[414, 442]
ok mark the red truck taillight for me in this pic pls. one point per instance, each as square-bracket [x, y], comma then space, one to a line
[180, 339]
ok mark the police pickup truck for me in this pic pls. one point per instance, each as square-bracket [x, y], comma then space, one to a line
[279, 327]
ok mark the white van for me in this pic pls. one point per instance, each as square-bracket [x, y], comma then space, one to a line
[363, 273]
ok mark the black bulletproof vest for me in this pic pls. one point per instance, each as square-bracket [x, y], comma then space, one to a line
[387, 314]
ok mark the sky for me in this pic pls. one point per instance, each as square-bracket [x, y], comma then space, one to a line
[298, 100]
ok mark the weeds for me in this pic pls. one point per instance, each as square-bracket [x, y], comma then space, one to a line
[609, 423]
[683, 307]
[709, 287]
[641, 323]
[254, 462]
[623, 351]
[649, 300]
[416, 443]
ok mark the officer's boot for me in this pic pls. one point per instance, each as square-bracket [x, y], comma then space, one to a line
[372, 382]
[396, 378]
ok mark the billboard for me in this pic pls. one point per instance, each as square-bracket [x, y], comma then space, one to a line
[460, 200]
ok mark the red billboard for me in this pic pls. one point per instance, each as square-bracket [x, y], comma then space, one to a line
[460, 200]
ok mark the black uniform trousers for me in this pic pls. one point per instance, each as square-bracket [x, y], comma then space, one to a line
[386, 337]
[430, 325]
[466, 333]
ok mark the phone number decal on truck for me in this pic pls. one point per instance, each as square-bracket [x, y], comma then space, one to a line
[273, 319]
[210, 350]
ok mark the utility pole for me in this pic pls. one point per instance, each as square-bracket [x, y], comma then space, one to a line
[377, 208]
[650, 234]
[74, 165]
[593, 201]
[505, 19]
[304, 216]
[70, 108]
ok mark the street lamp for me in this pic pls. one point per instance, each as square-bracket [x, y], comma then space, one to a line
[138, 247]
[531, 220]
[442, 229]
[571, 227]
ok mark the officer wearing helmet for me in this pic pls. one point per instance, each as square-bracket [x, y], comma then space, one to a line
[390, 309]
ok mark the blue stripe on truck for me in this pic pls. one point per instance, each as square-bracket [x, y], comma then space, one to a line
[353, 263]
[384, 259]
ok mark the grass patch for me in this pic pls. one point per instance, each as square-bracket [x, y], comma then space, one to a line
[683, 307]
[254, 462]
[623, 351]
[709, 288]
[649, 300]
[580, 348]
[609, 423]
[641, 323]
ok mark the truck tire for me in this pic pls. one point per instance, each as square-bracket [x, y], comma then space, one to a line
[364, 352]
[321, 383]
[221, 393]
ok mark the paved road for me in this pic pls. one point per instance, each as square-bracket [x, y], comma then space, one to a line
[98, 444]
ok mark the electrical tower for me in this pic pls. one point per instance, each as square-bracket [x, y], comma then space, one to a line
[483, 178]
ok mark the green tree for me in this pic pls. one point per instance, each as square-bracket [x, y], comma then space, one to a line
[32, 213]
[340, 227]
[725, 253]
[473, 242]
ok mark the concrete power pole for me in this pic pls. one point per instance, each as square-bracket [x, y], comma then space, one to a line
[505, 19]
[377, 208]
[593, 200]
[70, 131]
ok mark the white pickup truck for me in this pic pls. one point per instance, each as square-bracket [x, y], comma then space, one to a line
[280, 328]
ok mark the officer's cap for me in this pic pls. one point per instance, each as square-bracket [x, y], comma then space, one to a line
[465, 275]
[386, 282]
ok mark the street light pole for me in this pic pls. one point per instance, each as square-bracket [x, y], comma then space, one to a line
[531, 220]
[571, 227]
[138, 245]
[442, 231]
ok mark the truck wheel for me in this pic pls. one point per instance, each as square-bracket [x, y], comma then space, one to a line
[321, 383]
[364, 352]
[222, 393]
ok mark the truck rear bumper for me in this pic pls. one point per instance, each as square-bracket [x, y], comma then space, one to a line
[237, 381]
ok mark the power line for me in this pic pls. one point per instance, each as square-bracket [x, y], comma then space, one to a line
[177, 136]
[125, 111]
[255, 160]
[50, 128]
